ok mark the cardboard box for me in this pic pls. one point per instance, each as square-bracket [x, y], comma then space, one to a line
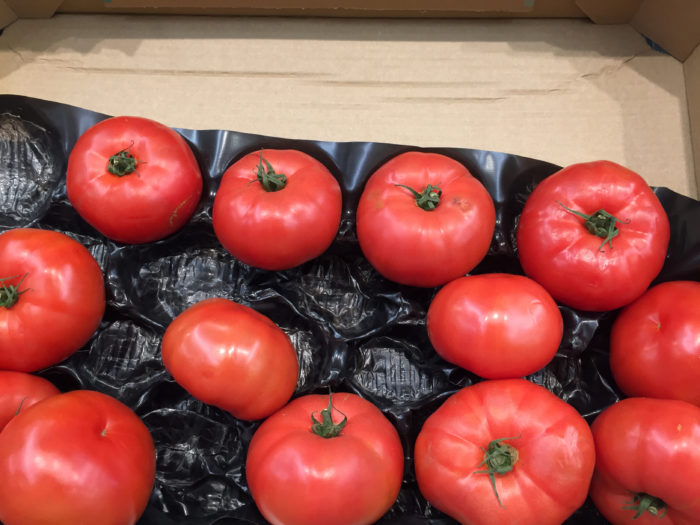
[531, 77]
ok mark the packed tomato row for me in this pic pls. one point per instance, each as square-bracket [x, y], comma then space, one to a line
[592, 236]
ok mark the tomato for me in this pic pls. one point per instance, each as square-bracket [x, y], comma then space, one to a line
[655, 343]
[424, 220]
[345, 468]
[52, 298]
[495, 325]
[648, 462]
[19, 391]
[133, 179]
[75, 458]
[277, 209]
[597, 271]
[505, 451]
[228, 355]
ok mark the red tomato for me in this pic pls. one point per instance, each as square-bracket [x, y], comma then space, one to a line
[52, 298]
[19, 391]
[76, 458]
[328, 472]
[277, 210]
[230, 356]
[133, 179]
[505, 451]
[495, 325]
[593, 271]
[655, 343]
[648, 462]
[424, 220]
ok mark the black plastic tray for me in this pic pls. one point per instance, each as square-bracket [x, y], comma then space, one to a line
[353, 330]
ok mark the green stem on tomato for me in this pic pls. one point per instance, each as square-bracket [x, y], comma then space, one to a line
[600, 224]
[499, 458]
[122, 163]
[267, 177]
[643, 502]
[326, 428]
[9, 293]
[428, 199]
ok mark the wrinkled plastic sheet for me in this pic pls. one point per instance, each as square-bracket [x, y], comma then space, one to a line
[353, 330]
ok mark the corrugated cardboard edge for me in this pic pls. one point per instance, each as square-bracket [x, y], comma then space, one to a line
[692, 89]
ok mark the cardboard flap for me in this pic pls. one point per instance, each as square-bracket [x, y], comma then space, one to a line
[505, 6]
[609, 12]
[673, 24]
[7, 15]
[33, 9]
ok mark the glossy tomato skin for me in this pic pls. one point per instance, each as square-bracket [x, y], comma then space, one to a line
[228, 355]
[412, 246]
[150, 203]
[277, 230]
[557, 251]
[299, 478]
[78, 458]
[495, 325]
[63, 303]
[652, 446]
[555, 462]
[19, 391]
[655, 343]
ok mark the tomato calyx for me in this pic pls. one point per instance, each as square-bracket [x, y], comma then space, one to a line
[428, 199]
[267, 177]
[10, 293]
[122, 163]
[600, 224]
[499, 458]
[326, 428]
[643, 502]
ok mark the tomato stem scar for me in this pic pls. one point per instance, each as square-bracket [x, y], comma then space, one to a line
[122, 163]
[600, 223]
[642, 502]
[267, 177]
[10, 293]
[428, 199]
[326, 428]
[499, 458]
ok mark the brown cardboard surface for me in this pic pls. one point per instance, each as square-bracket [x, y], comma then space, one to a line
[33, 9]
[609, 12]
[7, 15]
[673, 24]
[692, 83]
[559, 90]
[366, 8]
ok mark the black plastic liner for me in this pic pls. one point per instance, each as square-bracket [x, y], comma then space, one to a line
[353, 330]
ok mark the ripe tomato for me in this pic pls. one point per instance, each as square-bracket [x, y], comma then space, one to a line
[133, 179]
[655, 343]
[648, 462]
[52, 298]
[277, 209]
[230, 356]
[75, 458]
[424, 220]
[505, 451]
[346, 468]
[495, 325]
[594, 235]
[19, 391]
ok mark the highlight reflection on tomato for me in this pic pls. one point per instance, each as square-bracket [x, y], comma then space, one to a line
[329, 469]
[228, 355]
[52, 298]
[423, 219]
[76, 458]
